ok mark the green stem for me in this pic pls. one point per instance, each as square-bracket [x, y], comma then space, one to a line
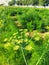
[23, 55]
[42, 55]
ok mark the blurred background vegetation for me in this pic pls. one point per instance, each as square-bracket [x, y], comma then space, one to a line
[30, 2]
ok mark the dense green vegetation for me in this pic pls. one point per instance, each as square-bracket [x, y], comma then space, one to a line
[29, 2]
[24, 36]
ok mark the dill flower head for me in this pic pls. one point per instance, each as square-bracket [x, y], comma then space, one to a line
[15, 33]
[48, 40]
[19, 41]
[28, 47]
[16, 47]
[20, 29]
[6, 45]
[25, 40]
[47, 27]
[37, 38]
[1, 23]
[5, 39]
[26, 34]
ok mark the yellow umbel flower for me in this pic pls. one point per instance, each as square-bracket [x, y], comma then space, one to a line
[5, 39]
[14, 37]
[48, 41]
[10, 38]
[20, 29]
[28, 47]
[15, 33]
[25, 40]
[16, 47]
[6, 45]
[47, 27]
[37, 38]
[16, 41]
[19, 41]
[1, 23]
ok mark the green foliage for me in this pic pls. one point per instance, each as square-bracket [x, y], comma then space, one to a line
[21, 39]
[11, 2]
[29, 2]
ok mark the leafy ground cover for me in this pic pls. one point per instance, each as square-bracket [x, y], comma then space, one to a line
[24, 36]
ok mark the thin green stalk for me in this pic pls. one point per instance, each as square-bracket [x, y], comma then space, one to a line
[23, 55]
[42, 55]
[8, 62]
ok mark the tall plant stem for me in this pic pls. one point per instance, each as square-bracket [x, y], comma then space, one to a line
[23, 55]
